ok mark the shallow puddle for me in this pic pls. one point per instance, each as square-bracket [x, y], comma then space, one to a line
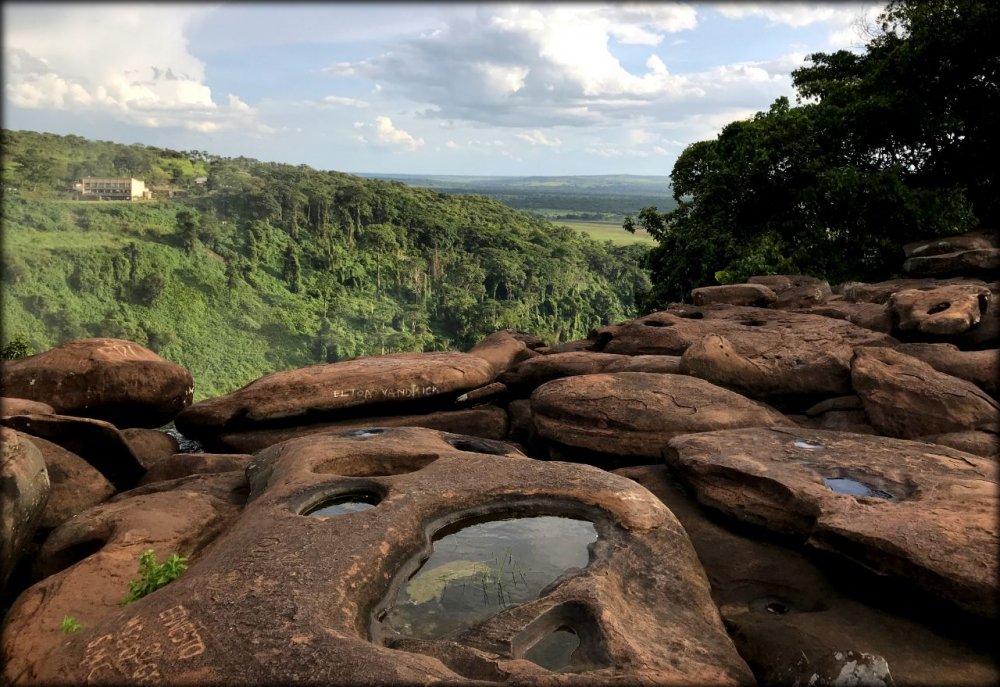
[554, 651]
[852, 487]
[477, 568]
[350, 503]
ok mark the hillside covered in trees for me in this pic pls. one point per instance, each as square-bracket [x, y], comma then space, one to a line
[255, 267]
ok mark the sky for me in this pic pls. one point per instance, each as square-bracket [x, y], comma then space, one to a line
[411, 88]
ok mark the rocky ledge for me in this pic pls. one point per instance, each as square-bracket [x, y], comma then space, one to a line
[781, 483]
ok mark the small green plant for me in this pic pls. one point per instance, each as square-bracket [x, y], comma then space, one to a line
[18, 347]
[69, 625]
[493, 579]
[153, 575]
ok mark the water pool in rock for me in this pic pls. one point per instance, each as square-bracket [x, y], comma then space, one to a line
[349, 503]
[479, 567]
[555, 650]
[853, 487]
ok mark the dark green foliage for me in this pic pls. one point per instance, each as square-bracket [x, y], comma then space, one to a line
[271, 266]
[153, 575]
[886, 147]
[17, 347]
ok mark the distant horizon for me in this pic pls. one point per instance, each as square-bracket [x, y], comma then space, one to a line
[457, 89]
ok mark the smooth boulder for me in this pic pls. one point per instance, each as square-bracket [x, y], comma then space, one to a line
[403, 383]
[636, 413]
[905, 397]
[756, 295]
[76, 485]
[24, 491]
[113, 380]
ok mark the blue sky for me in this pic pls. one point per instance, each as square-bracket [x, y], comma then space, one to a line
[449, 88]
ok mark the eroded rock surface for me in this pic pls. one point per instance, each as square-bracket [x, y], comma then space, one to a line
[795, 290]
[944, 311]
[926, 515]
[791, 620]
[906, 397]
[113, 380]
[290, 598]
[636, 413]
[881, 292]
[87, 563]
[966, 262]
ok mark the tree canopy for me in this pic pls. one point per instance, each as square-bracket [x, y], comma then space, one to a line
[882, 148]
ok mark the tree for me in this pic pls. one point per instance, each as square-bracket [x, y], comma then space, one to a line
[835, 185]
[187, 229]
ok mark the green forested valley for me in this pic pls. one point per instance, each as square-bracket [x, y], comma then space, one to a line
[255, 266]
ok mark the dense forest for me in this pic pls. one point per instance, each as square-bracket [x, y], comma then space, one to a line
[884, 147]
[254, 266]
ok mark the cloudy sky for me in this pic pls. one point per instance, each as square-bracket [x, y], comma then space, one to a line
[460, 88]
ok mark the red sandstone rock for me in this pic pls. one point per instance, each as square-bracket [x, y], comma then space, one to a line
[792, 622]
[320, 583]
[114, 380]
[22, 406]
[944, 311]
[756, 295]
[186, 464]
[982, 368]
[24, 490]
[405, 382]
[906, 397]
[928, 517]
[488, 422]
[150, 446]
[97, 442]
[76, 486]
[636, 413]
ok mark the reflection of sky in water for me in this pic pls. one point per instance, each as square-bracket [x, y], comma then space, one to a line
[477, 571]
[340, 508]
[852, 487]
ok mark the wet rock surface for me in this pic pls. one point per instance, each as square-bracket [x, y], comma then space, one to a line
[321, 583]
[635, 413]
[925, 515]
[793, 618]
[113, 380]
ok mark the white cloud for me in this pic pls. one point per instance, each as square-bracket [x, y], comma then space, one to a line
[389, 135]
[341, 101]
[537, 137]
[128, 61]
[451, 145]
[846, 21]
[532, 65]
